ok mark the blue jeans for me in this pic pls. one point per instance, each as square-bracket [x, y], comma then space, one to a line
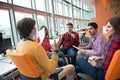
[83, 66]
[71, 53]
[61, 59]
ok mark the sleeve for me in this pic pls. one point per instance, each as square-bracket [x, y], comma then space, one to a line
[100, 47]
[48, 65]
[61, 40]
[107, 59]
[76, 40]
[89, 45]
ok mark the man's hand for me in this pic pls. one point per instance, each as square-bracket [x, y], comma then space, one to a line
[82, 51]
[72, 35]
[80, 47]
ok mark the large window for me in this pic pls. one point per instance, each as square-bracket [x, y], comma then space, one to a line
[5, 29]
[40, 5]
[3, 0]
[41, 21]
[50, 6]
[24, 3]
[41, 10]
[20, 15]
[60, 8]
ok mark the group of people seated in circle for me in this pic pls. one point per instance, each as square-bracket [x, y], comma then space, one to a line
[92, 59]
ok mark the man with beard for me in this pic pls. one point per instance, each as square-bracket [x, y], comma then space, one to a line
[96, 44]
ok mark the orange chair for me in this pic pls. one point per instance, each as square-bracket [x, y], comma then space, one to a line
[87, 33]
[25, 65]
[27, 68]
[113, 72]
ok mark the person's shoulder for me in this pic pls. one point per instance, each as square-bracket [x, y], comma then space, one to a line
[65, 33]
[117, 39]
[75, 32]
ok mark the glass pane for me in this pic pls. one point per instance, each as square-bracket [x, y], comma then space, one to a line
[24, 3]
[41, 21]
[74, 2]
[65, 10]
[5, 24]
[60, 8]
[50, 6]
[40, 5]
[20, 15]
[3, 0]
[5, 29]
[69, 1]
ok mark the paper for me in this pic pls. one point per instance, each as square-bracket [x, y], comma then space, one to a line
[75, 47]
[41, 35]
[91, 58]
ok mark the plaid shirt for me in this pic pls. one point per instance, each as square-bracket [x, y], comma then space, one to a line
[97, 41]
[109, 50]
[67, 40]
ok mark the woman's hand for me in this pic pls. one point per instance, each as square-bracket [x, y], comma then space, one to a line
[93, 63]
[82, 51]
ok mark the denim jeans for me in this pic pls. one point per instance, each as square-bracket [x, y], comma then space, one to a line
[71, 53]
[61, 59]
[83, 66]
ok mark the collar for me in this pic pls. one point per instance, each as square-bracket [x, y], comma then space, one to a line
[24, 39]
[94, 36]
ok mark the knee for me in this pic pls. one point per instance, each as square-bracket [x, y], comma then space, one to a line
[61, 54]
[72, 54]
[61, 62]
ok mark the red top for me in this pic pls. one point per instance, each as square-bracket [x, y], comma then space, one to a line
[45, 44]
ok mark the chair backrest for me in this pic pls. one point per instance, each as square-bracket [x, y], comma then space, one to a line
[113, 72]
[87, 33]
[24, 64]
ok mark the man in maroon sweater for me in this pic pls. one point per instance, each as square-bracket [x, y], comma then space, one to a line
[69, 39]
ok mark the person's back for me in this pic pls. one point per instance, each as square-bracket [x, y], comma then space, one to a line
[27, 31]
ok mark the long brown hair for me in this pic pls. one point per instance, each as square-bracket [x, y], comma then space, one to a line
[115, 22]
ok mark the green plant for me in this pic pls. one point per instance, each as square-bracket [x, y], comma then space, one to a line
[115, 6]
